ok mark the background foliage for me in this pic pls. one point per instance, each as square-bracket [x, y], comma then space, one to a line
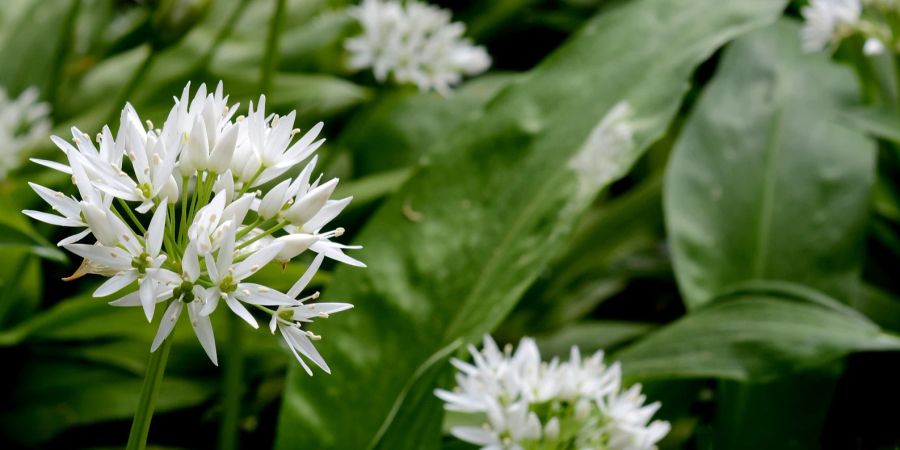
[738, 259]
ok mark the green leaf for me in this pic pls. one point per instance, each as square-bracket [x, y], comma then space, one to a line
[497, 200]
[878, 121]
[53, 396]
[395, 130]
[15, 237]
[766, 182]
[31, 48]
[757, 333]
[788, 413]
[591, 336]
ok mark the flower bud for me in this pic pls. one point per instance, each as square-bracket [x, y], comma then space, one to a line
[310, 204]
[223, 152]
[294, 244]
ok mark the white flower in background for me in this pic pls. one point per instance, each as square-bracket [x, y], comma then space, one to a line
[828, 21]
[178, 217]
[414, 43]
[526, 403]
[24, 121]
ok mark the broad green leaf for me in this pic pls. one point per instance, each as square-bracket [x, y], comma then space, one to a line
[591, 336]
[53, 396]
[788, 413]
[766, 182]
[32, 49]
[879, 122]
[395, 131]
[495, 203]
[13, 237]
[756, 333]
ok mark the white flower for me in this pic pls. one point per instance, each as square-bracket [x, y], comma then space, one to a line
[290, 319]
[23, 122]
[527, 403]
[209, 229]
[873, 46]
[415, 43]
[628, 419]
[227, 277]
[827, 20]
[131, 258]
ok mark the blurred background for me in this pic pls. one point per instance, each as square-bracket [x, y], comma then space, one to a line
[739, 259]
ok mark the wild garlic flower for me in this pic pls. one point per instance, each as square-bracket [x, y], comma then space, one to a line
[529, 404]
[24, 121]
[414, 43]
[828, 22]
[187, 220]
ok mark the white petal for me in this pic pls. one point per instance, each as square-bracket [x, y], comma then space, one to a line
[291, 345]
[256, 294]
[256, 261]
[204, 331]
[241, 311]
[155, 230]
[116, 283]
[305, 346]
[167, 324]
[301, 284]
[74, 238]
[148, 295]
[112, 257]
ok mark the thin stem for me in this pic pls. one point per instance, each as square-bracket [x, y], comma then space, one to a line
[270, 60]
[156, 367]
[131, 215]
[248, 228]
[259, 236]
[182, 230]
[232, 386]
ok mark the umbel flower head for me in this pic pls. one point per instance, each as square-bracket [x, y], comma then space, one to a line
[414, 43]
[179, 215]
[525, 403]
[23, 122]
[828, 22]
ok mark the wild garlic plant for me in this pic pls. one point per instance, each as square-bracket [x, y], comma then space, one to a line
[828, 22]
[182, 215]
[526, 404]
[413, 43]
[24, 121]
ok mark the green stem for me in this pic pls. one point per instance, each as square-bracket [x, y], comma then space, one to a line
[270, 59]
[131, 215]
[259, 236]
[232, 386]
[156, 367]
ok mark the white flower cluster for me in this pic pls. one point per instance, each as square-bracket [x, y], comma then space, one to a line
[210, 227]
[828, 22]
[415, 43]
[528, 404]
[23, 122]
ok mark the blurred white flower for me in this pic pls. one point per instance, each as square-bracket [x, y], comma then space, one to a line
[24, 121]
[873, 46]
[527, 403]
[414, 43]
[828, 21]
[210, 228]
